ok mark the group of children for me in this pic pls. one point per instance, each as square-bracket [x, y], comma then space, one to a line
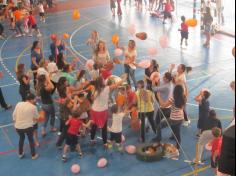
[22, 19]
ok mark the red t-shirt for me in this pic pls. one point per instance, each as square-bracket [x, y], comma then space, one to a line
[131, 97]
[216, 146]
[32, 20]
[168, 7]
[184, 27]
[74, 126]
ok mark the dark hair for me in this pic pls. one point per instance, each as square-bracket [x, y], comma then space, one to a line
[20, 71]
[216, 132]
[35, 43]
[40, 83]
[183, 18]
[168, 76]
[207, 94]
[66, 68]
[95, 66]
[114, 109]
[51, 58]
[142, 83]
[61, 81]
[60, 61]
[212, 114]
[30, 97]
[76, 114]
[30, 12]
[185, 68]
[180, 99]
[81, 75]
[99, 84]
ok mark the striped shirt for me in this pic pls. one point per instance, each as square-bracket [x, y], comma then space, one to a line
[177, 114]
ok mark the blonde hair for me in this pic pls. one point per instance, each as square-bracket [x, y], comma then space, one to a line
[97, 48]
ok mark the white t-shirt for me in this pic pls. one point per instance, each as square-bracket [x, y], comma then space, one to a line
[117, 122]
[101, 101]
[131, 54]
[42, 71]
[41, 8]
[52, 67]
[24, 115]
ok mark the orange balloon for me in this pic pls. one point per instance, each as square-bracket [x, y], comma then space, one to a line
[66, 36]
[142, 35]
[120, 100]
[192, 22]
[42, 115]
[76, 15]
[115, 39]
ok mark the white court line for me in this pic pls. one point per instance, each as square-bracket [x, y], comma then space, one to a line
[198, 78]
[5, 126]
[220, 109]
[9, 85]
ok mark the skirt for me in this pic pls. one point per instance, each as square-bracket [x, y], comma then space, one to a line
[99, 118]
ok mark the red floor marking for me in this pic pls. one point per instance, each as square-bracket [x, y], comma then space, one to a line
[8, 152]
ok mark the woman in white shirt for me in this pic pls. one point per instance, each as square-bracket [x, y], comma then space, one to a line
[99, 110]
[24, 117]
[101, 55]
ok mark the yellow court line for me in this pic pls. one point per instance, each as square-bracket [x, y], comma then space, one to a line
[197, 171]
[20, 56]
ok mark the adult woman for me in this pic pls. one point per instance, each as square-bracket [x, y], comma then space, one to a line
[24, 81]
[99, 110]
[63, 88]
[101, 55]
[60, 61]
[179, 78]
[66, 73]
[36, 58]
[24, 117]
[130, 59]
[145, 101]
[177, 103]
[154, 67]
[208, 20]
[45, 89]
[57, 47]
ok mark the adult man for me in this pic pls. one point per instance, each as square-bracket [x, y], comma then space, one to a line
[24, 118]
[2, 100]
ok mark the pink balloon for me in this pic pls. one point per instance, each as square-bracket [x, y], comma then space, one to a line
[89, 64]
[209, 146]
[131, 149]
[164, 41]
[75, 169]
[145, 64]
[102, 163]
[152, 51]
[132, 29]
[118, 52]
[155, 77]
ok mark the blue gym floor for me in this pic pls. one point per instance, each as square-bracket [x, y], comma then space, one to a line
[213, 68]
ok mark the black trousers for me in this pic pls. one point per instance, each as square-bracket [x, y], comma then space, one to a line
[161, 113]
[2, 100]
[29, 132]
[150, 117]
[104, 133]
[63, 130]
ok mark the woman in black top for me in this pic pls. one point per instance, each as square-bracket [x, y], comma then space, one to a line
[62, 87]
[149, 71]
[45, 89]
[36, 58]
[24, 81]
[61, 61]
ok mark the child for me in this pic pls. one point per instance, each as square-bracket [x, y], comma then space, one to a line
[41, 12]
[204, 108]
[93, 40]
[216, 148]
[167, 11]
[113, 7]
[94, 74]
[119, 12]
[117, 126]
[184, 31]
[33, 25]
[74, 126]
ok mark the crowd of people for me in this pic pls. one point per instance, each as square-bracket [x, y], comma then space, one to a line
[93, 98]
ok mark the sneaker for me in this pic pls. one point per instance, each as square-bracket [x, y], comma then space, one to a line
[18, 35]
[35, 157]
[8, 107]
[39, 35]
[64, 158]
[37, 144]
[21, 156]
[187, 123]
